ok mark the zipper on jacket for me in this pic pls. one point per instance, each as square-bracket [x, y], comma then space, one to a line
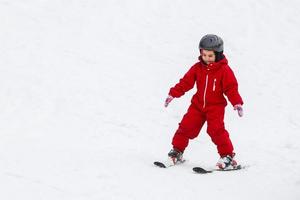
[204, 95]
[214, 86]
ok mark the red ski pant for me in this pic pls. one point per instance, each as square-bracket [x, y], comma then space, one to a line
[192, 122]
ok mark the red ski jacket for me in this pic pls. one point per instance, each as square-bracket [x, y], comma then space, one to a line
[213, 81]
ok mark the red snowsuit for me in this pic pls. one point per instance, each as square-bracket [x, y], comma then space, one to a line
[208, 104]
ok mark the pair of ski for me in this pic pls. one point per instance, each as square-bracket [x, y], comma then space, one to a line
[198, 170]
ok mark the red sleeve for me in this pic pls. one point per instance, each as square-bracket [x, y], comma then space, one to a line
[185, 84]
[230, 87]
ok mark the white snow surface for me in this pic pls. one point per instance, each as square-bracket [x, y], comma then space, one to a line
[82, 87]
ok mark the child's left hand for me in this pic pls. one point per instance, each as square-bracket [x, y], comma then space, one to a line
[239, 109]
[168, 100]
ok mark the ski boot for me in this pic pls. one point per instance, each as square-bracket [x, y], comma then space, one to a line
[175, 156]
[227, 162]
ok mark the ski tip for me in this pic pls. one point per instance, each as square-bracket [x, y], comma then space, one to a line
[159, 164]
[200, 170]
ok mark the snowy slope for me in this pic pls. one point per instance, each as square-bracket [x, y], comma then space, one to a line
[82, 86]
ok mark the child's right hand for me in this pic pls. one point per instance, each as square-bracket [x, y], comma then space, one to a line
[239, 109]
[168, 100]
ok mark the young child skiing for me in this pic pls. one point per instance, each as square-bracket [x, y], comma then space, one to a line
[213, 78]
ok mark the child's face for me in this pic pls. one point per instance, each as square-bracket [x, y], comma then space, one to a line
[208, 56]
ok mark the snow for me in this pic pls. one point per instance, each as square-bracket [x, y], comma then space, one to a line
[83, 83]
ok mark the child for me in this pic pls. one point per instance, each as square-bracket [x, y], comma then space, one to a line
[213, 78]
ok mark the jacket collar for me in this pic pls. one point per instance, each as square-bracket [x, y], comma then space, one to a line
[214, 65]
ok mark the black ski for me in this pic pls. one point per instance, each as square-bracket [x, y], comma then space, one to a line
[200, 170]
[160, 164]
[165, 165]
